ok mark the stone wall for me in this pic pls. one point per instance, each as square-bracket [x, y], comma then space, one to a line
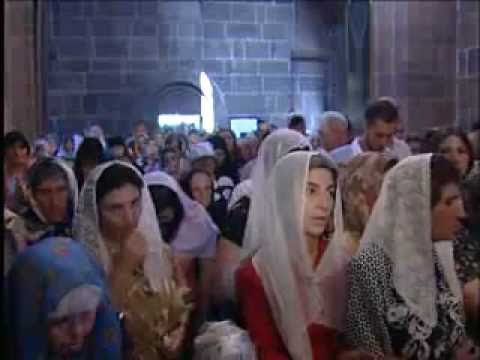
[108, 59]
[468, 58]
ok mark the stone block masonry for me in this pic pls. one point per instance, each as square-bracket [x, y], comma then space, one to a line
[110, 52]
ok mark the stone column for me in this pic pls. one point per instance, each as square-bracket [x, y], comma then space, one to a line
[468, 58]
[413, 60]
[20, 81]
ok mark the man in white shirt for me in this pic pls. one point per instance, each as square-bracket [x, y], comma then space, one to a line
[381, 122]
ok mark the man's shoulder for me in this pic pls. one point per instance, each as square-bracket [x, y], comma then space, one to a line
[343, 153]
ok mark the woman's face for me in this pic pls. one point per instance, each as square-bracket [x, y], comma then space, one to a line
[207, 164]
[220, 156]
[319, 200]
[172, 162]
[51, 147]
[229, 140]
[151, 150]
[174, 145]
[118, 151]
[51, 196]
[17, 155]
[202, 189]
[166, 217]
[68, 145]
[66, 336]
[194, 138]
[454, 149]
[447, 214]
[120, 210]
[159, 140]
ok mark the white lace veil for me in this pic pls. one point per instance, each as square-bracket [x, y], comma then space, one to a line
[276, 145]
[157, 265]
[299, 294]
[400, 223]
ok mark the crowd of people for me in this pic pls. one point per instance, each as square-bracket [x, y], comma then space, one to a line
[177, 244]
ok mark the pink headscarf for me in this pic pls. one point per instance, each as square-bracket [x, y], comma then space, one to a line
[197, 234]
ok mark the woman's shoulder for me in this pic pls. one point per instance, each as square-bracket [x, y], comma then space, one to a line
[369, 259]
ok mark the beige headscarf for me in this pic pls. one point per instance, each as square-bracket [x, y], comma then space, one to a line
[360, 182]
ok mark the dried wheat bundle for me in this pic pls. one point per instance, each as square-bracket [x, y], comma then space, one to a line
[151, 316]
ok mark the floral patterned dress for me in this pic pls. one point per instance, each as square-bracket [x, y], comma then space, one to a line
[379, 321]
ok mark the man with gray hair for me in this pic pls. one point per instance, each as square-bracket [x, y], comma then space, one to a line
[333, 131]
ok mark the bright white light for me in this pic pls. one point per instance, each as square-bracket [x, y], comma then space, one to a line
[243, 125]
[207, 105]
[174, 120]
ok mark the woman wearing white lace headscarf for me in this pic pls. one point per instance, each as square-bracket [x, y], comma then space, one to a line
[276, 145]
[245, 217]
[404, 295]
[116, 221]
[292, 293]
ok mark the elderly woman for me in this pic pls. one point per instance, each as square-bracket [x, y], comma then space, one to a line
[291, 292]
[405, 299]
[199, 186]
[59, 307]
[361, 180]
[51, 198]
[116, 220]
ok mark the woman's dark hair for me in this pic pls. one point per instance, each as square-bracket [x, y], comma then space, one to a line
[228, 168]
[443, 172]
[179, 140]
[163, 154]
[186, 182]
[441, 135]
[15, 137]
[317, 161]
[45, 169]
[114, 177]
[426, 146]
[236, 152]
[90, 151]
[165, 198]
[116, 141]
[472, 199]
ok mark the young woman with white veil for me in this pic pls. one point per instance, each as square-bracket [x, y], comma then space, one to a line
[292, 291]
[405, 299]
[245, 213]
[117, 222]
